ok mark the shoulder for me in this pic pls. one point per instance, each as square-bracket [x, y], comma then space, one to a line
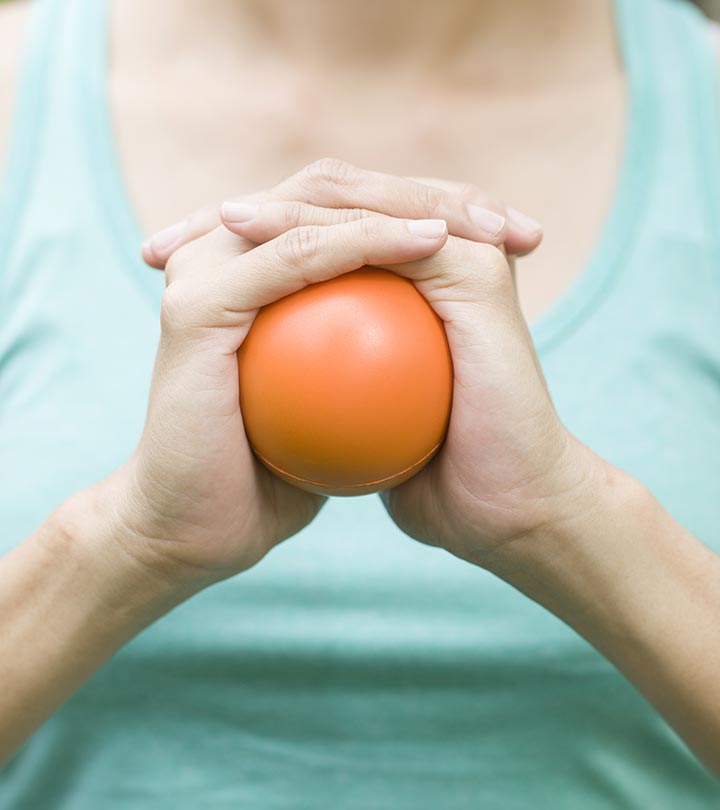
[13, 18]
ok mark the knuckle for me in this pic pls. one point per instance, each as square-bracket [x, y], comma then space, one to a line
[171, 266]
[492, 256]
[299, 245]
[332, 171]
[480, 269]
[465, 273]
[495, 269]
[175, 306]
[177, 261]
[294, 215]
[369, 228]
[429, 199]
[352, 214]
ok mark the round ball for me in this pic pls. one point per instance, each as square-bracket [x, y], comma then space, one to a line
[346, 385]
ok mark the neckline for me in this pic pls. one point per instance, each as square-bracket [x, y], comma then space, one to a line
[632, 185]
[569, 310]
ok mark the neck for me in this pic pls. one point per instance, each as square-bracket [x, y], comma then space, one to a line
[495, 43]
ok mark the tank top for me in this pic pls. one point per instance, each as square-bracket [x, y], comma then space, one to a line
[353, 667]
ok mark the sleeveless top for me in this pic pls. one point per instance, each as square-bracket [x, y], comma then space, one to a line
[353, 667]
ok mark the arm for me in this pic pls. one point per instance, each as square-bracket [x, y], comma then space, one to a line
[641, 589]
[71, 596]
[513, 492]
[192, 506]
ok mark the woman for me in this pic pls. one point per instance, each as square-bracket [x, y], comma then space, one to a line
[564, 653]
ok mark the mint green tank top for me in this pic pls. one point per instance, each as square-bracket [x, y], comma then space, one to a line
[355, 668]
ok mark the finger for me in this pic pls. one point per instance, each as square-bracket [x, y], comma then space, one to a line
[198, 257]
[524, 233]
[468, 283]
[519, 233]
[462, 272]
[297, 258]
[512, 264]
[336, 184]
[262, 221]
[157, 249]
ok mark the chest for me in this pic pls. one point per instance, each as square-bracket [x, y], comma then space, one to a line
[177, 157]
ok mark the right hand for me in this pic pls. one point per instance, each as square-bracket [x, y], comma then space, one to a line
[331, 190]
[193, 501]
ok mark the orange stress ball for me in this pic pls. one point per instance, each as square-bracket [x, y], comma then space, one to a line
[346, 385]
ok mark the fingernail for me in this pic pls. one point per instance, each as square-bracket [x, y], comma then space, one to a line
[239, 211]
[429, 228]
[523, 221]
[486, 219]
[166, 238]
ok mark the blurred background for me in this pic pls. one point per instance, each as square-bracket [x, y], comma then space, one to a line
[710, 7]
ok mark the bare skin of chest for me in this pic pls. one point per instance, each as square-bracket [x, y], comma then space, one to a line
[530, 152]
[201, 132]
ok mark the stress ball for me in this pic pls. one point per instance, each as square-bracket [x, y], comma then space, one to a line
[346, 385]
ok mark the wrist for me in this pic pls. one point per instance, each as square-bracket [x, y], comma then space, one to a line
[606, 564]
[71, 598]
[578, 544]
[86, 540]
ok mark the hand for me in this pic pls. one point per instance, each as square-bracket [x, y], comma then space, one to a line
[508, 465]
[491, 482]
[193, 499]
[440, 505]
[319, 191]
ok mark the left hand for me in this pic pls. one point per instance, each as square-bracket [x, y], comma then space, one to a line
[508, 465]
[511, 489]
[328, 185]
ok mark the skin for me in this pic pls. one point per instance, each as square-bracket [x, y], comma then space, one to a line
[458, 69]
[536, 507]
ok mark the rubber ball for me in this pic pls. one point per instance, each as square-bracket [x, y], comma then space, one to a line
[346, 385]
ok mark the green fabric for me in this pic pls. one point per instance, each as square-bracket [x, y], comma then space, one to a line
[354, 668]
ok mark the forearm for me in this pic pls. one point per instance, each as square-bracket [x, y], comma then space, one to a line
[71, 596]
[640, 588]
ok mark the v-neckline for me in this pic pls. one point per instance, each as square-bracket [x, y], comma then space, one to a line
[569, 309]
